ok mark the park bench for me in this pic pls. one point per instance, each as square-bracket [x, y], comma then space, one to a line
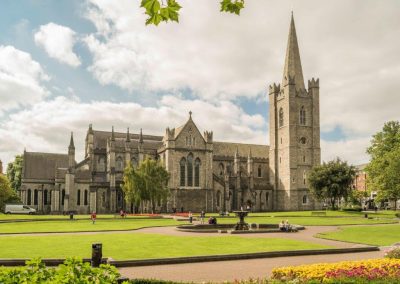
[318, 213]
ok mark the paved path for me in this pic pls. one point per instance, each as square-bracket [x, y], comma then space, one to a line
[236, 269]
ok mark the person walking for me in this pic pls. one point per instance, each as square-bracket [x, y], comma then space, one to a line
[190, 217]
[202, 215]
[93, 217]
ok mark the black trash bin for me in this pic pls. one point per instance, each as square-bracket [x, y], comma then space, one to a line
[71, 215]
[97, 254]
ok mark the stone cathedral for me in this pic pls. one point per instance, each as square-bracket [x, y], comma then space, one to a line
[204, 174]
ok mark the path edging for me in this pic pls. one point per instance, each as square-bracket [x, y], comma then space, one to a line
[208, 258]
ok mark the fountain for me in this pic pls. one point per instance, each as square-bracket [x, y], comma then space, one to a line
[241, 225]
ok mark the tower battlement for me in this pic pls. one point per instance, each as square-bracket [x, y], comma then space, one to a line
[313, 83]
[274, 89]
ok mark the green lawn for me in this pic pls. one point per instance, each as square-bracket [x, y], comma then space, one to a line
[5, 217]
[141, 246]
[135, 223]
[84, 225]
[383, 235]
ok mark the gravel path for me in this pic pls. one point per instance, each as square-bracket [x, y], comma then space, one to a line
[236, 269]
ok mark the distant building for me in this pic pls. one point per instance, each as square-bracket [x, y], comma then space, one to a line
[205, 174]
[360, 181]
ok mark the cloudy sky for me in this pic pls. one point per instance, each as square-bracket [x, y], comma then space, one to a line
[67, 63]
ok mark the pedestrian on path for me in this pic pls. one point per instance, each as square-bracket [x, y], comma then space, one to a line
[93, 217]
[202, 215]
[190, 217]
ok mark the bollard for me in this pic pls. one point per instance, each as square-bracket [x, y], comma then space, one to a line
[122, 279]
[365, 215]
[97, 254]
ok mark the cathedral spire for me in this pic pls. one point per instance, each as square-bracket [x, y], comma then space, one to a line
[71, 141]
[112, 134]
[128, 138]
[292, 67]
[141, 136]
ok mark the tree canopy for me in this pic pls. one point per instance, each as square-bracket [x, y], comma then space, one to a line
[147, 183]
[7, 194]
[331, 181]
[384, 168]
[168, 10]
[14, 172]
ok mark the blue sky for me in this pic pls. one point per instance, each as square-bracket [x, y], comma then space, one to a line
[70, 63]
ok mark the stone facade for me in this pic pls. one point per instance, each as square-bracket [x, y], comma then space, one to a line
[205, 174]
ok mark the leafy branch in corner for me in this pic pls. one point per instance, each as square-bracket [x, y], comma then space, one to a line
[168, 10]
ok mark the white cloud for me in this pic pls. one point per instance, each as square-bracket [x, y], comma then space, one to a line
[46, 126]
[21, 79]
[351, 150]
[58, 41]
[221, 56]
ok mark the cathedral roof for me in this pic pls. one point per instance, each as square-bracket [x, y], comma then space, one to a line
[292, 67]
[43, 166]
[100, 138]
[228, 149]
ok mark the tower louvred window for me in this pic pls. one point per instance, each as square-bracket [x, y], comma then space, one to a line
[280, 117]
[302, 116]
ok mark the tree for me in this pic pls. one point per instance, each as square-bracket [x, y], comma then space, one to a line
[14, 172]
[168, 10]
[331, 181]
[146, 183]
[383, 170]
[6, 192]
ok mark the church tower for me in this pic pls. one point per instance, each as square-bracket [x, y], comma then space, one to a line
[294, 132]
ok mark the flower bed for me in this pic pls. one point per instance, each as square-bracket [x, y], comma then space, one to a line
[366, 271]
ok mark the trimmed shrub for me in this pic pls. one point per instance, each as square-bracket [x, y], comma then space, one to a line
[393, 253]
[72, 271]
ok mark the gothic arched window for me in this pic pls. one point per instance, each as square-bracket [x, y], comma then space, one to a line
[304, 177]
[119, 164]
[302, 116]
[101, 164]
[190, 170]
[280, 117]
[218, 198]
[29, 197]
[78, 197]
[197, 172]
[305, 199]
[221, 169]
[45, 196]
[85, 198]
[182, 166]
[62, 196]
[134, 162]
[259, 171]
[35, 197]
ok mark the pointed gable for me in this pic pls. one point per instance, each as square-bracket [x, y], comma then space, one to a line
[187, 131]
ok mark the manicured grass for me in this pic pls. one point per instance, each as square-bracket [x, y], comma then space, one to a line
[383, 235]
[84, 225]
[5, 217]
[312, 221]
[141, 246]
